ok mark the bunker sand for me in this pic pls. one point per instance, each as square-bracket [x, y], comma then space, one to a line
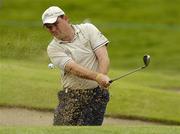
[26, 117]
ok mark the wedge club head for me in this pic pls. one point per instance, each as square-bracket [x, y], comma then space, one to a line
[146, 60]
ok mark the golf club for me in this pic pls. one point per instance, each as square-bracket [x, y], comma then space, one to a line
[146, 60]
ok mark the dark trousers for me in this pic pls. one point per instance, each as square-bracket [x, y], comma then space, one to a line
[81, 107]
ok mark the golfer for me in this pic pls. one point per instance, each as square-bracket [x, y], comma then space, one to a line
[80, 51]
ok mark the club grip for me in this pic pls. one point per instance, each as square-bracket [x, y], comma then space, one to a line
[110, 81]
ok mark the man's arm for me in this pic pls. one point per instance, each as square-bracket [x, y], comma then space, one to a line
[103, 59]
[83, 72]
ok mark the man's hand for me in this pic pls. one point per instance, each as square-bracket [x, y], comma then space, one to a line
[103, 80]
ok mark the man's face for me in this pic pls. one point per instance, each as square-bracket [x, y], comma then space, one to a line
[60, 28]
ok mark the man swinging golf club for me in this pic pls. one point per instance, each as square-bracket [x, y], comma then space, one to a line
[80, 51]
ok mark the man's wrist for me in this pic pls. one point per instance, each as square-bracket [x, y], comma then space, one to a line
[98, 76]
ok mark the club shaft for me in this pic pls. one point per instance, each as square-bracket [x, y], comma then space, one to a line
[133, 71]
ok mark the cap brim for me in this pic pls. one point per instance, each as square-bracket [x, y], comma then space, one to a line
[50, 20]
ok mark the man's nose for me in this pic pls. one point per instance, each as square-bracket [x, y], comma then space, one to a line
[53, 28]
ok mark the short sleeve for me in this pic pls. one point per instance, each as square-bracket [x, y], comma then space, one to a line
[58, 57]
[97, 39]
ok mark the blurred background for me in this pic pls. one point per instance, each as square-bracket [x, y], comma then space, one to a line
[134, 28]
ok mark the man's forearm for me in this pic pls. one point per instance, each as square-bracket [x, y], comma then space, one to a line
[80, 71]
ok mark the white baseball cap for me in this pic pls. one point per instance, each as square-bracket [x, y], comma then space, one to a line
[51, 14]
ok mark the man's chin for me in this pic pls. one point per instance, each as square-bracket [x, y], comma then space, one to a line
[55, 35]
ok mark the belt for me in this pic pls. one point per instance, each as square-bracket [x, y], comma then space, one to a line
[66, 90]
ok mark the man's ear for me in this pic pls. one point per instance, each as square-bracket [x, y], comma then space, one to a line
[65, 18]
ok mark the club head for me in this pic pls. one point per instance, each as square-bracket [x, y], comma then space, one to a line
[146, 60]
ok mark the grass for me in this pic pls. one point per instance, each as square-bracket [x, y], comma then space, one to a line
[33, 82]
[90, 130]
[134, 28]
[33, 85]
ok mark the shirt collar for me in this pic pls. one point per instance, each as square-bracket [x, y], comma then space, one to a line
[75, 36]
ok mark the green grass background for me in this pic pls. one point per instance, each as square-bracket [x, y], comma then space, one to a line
[90, 130]
[134, 28]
